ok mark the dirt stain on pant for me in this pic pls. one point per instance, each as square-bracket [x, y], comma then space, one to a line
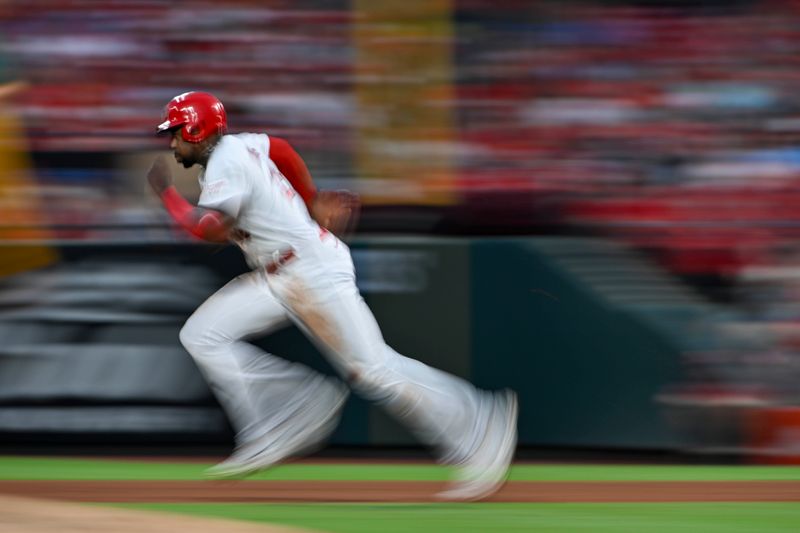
[320, 325]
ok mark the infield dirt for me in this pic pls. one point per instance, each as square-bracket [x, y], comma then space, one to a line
[26, 515]
[400, 491]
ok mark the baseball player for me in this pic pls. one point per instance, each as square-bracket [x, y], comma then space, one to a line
[257, 192]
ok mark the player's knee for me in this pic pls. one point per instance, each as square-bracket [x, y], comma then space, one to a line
[197, 337]
[371, 381]
[188, 337]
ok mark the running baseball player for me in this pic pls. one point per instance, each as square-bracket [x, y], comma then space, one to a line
[257, 192]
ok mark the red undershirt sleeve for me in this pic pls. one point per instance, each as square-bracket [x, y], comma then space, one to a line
[204, 223]
[294, 168]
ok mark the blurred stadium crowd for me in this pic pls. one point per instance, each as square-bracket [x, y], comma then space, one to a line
[671, 126]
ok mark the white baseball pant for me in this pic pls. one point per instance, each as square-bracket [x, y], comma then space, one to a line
[316, 290]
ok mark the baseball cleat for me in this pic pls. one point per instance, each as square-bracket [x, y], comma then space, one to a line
[263, 453]
[246, 459]
[482, 474]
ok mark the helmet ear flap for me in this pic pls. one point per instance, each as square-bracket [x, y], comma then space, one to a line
[190, 132]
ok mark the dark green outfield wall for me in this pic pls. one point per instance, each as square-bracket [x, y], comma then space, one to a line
[587, 372]
[500, 312]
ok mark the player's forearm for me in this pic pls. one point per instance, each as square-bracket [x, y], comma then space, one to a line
[293, 168]
[207, 224]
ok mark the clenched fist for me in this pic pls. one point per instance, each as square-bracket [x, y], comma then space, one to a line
[336, 211]
[160, 176]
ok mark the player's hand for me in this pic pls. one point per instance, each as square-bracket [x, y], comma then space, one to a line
[160, 176]
[336, 211]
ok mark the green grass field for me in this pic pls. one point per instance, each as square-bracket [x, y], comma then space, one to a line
[474, 517]
[511, 517]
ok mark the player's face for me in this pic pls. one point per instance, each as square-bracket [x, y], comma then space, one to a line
[186, 153]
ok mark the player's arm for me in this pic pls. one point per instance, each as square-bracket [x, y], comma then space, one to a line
[208, 224]
[333, 210]
[294, 169]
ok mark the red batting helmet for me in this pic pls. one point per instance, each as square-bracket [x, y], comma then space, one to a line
[201, 115]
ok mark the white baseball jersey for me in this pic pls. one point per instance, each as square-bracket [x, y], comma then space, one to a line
[243, 182]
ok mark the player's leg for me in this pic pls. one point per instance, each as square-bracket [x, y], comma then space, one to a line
[257, 390]
[465, 425]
